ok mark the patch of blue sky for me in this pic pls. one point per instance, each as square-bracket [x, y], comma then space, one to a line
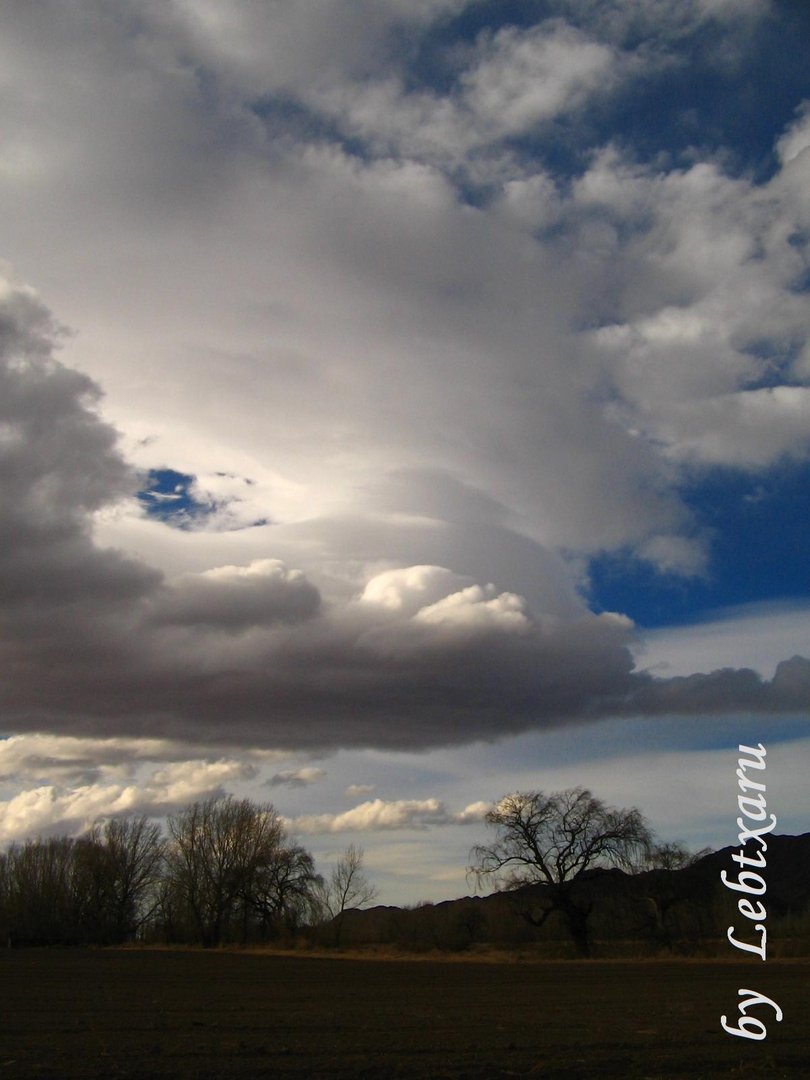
[167, 496]
[759, 524]
[704, 104]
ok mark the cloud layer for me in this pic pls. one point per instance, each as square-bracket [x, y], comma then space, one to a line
[328, 268]
[379, 815]
[102, 644]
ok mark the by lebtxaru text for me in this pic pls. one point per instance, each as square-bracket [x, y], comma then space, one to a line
[754, 824]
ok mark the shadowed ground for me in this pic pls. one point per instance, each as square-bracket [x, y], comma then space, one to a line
[136, 1014]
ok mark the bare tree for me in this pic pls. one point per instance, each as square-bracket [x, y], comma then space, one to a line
[283, 892]
[553, 840]
[119, 866]
[672, 856]
[347, 888]
[227, 868]
[216, 849]
[232, 869]
[658, 920]
[6, 899]
[42, 896]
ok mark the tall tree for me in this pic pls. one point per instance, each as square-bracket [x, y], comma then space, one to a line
[43, 897]
[552, 840]
[218, 849]
[120, 865]
[347, 888]
[283, 891]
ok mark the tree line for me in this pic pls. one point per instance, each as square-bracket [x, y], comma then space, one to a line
[225, 870]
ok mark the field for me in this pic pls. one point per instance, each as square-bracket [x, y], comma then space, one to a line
[118, 1014]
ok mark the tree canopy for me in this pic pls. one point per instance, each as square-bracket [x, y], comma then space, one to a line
[553, 840]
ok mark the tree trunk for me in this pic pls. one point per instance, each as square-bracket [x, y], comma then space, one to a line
[577, 923]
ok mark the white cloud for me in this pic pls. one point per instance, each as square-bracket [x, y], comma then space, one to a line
[512, 81]
[375, 814]
[382, 815]
[663, 23]
[477, 607]
[474, 813]
[182, 782]
[303, 777]
[796, 139]
[408, 590]
[262, 46]
[47, 810]
[37, 756]
[682, 555]
[708, 287]
[523, 77]
[53, 809]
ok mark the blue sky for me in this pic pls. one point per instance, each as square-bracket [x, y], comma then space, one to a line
[403, 405]
[757, 523]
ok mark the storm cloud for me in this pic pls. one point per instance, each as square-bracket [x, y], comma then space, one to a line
[422, 656]
[416, 379]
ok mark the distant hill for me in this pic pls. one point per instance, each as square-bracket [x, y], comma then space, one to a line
[671, 910]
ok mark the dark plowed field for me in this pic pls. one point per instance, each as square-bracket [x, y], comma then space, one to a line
[131, 1014]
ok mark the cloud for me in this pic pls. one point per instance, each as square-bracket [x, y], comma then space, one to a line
[510, 83]
[430, 595]
[523, 77]
[59, 464]
[378, 814]
[410, 589]
[82, 761]
[250, 654]
[718, 308]
[662, 23]
[796, 140]
[451, 375]
[246, 653]
[727, 690]
[758, 636]
[302, 777]
[355, 790]
[473, 813]
[383, 245]
[54, 809]
[234, 598]
[477, 607]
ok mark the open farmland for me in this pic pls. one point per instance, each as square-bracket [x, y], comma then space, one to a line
[128, 1013]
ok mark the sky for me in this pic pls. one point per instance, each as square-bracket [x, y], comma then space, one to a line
[402, 403]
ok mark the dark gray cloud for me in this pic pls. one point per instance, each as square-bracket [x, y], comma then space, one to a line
[235, 598]
[727, 690]
[58, 464]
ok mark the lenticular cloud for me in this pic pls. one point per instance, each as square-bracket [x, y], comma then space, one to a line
[259, 654]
